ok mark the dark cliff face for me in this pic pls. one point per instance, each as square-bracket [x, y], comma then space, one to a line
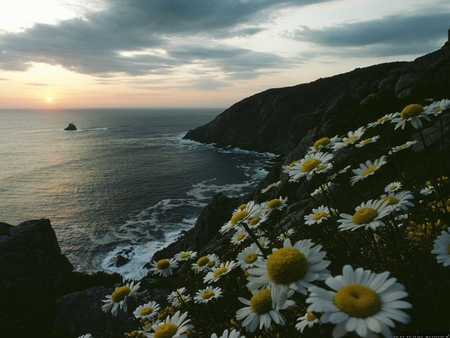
[277, 119]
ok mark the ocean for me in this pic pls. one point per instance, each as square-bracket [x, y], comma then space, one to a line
[125, 183]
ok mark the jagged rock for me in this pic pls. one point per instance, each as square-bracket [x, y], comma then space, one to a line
[71, 126]
[206, 228]
[33, 274]
[81, 312]
[285, 115]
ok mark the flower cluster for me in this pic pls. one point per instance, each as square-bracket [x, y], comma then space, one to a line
[285, 270]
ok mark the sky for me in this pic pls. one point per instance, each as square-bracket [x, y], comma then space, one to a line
[198, 53]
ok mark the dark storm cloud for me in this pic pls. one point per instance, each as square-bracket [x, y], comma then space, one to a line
[94, 44]
[390, 36]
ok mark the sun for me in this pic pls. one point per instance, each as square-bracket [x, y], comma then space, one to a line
[49, 99]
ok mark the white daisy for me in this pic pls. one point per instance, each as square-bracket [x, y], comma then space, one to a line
[394, 186]
[185, 255]
[307, 320]
[367, 169]
[255, 222]
[178, 297]
[239, 237]
[207, 294]
[367, 215]
[85, 336]
[311, 164]
[367, 141]
[286, 234]
[274, 204]
[206, 263]
[441, 248]
[322, 143]
[352, 138]
[172, 327]
[270, 187]
[291, 267]
[118, 299]
[360, 301]
[217, 273]
[242, 214]
[163, 267]
[318, 215]
[231, 334]
[320, 190]
[411, 113]
[247, 257]
[428, 190]
[401, 147]
[261, 310]
[436, 108]
[264, 241]
[147, 311]
[382, 120]
[399, 200]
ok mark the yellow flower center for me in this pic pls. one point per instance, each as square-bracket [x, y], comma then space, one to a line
[274, 203]
[261, 302]
[163, 264]
[310, 317]
[120, 293]
[350, 138]
[391, 200]
[211, 264]
[357, 301]
[146, 311]
[250, 258]
[401, 147]
[367, 140]
[220, 271]
[293, 163]
[202, 261]
[364, 215]
[254, 221]
[310, 165]
[168, 330]
[208, 294]
[320, 168]
[242, 206]
[383, 119]
[369, 170]
[319, 215]
[239, 216]
[321, 143]
[240, 237]
[286, 265]
[411, 111]
[393, 187]
[185, 255]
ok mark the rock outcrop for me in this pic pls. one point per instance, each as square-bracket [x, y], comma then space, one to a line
[70, 127]
[277, 119]
[33, 274]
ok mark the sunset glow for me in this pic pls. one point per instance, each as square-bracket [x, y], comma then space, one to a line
[201, 56]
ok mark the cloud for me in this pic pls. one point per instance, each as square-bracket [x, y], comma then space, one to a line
[389, 36]
[122, 39]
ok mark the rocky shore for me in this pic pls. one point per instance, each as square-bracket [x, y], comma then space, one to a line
[41, 296]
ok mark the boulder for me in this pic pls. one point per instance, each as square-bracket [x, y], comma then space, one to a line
[81, 313]
[33, 274]
[71, 126]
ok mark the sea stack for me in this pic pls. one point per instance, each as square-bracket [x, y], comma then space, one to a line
[71, 126]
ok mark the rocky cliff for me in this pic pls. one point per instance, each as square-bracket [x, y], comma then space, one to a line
[277, 119]
[37, 291]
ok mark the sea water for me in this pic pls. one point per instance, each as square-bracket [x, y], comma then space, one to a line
[125, 183]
